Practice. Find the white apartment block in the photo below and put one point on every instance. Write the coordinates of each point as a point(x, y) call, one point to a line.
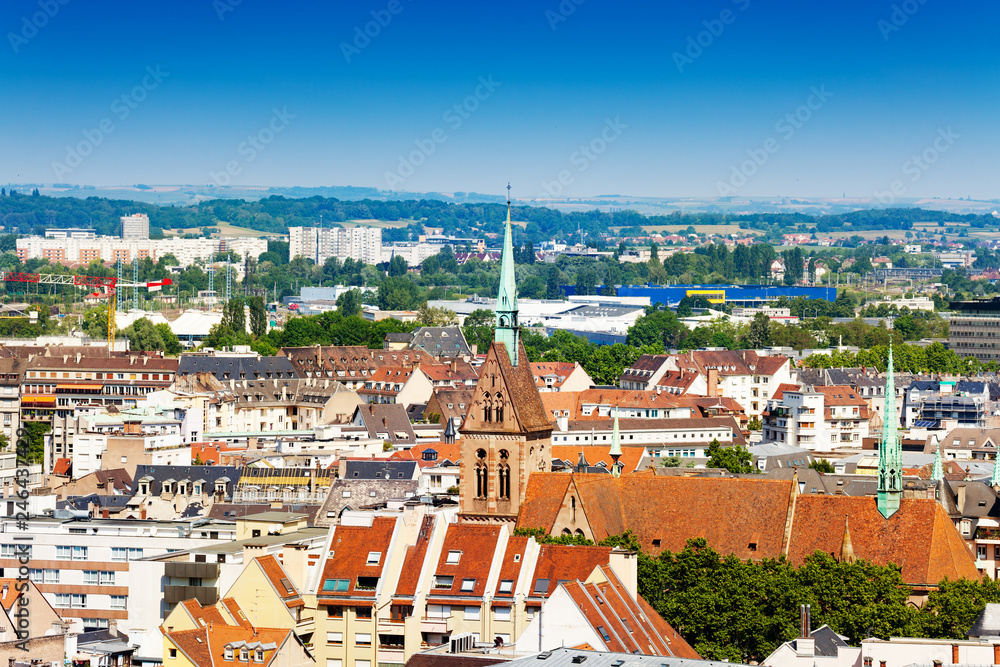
point(135, 226)
point(111, 249)
point(823, 419)
point(413, 253)
point(84, 568)
point(362, 244)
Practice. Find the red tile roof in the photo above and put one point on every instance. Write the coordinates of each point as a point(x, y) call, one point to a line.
point(413, 560)
point(477, 546)
point(561, 562)
point(283, 585)
point(510, 567)
point(62, 467)
point(205, 647)
point(350, 546)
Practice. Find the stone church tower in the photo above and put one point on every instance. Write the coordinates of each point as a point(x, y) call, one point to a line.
point(506, 435)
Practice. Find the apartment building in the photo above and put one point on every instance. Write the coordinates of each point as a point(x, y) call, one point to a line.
point(11, 377)
point(743, 375)
point(83, 567)
point(391, 585)
point(817, 418)
point(362, 244)
point(135, 226)
point(974, 328)
point(111, 248)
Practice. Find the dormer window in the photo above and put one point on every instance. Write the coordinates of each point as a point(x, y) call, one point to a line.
point(453, 557)
point(373, 557)
point(244, 655)
point(258, 655)
point(228, 653)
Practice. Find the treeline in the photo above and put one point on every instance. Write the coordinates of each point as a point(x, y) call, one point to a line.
point(28, 214)
point(935, 358)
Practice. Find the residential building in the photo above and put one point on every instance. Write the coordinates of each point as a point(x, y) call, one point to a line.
point(111, 248)
point(348, 364)
point(447, 342)
point(236, 367)
point(560, 376)
point(11, 378)
point(362, 244)
point(397, 384)
point(817, 418)
point(29, 626)
point(743, 375)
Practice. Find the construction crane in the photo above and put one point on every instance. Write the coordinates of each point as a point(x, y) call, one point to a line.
point(103, 286)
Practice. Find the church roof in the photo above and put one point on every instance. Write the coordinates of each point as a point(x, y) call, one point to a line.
point(525, 401)
point(665, 511)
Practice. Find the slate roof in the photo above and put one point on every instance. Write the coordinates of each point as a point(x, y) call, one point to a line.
point(232, 511)
point(441, 341)
point(364, 494)
point(987, 624)
point(387, 418)
point(379, 469)
point(208, 475)
point(237, 368)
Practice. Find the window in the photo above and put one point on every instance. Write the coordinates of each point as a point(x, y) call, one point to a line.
point(501, 613)
point(468, 585)
point(80, 553)
point(117, 553)
point(363, 639)
point(333, 662)
point(374, 557)
point(62, 600)
point(541, 587)
point(506, 586)
point(91, 577)
point(363, 612)
point(368, 663)
point(118, 601)
point(62, 553)
point(604, 633)
point(79, 601)
point(472, 613)
point(336, 584)
point(335, 612)
point(443, 581)
point(258, 655)
point(173, 653)
point(335, 638)
point(228, 655)
point(453, 557)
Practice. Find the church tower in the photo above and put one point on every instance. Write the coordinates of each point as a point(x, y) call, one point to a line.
point(890, 456)
point(506, 435)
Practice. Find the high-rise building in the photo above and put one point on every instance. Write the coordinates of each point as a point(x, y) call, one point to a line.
point(974, 329)
point(135, 226)
point(363, 244)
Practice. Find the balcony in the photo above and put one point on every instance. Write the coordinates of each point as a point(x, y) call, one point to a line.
point(988, 534)
point(437, 625)
point(390, 626)
point(206, 595)
point(391, 654)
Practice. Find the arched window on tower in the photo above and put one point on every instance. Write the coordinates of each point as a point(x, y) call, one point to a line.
point(503, 476)
point(499, 411)
point(482, 474)
point(487, 409)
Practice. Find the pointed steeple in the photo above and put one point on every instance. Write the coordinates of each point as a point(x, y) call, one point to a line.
point(616, 447)
point(996, 473)
point(846, 546)
point(507, 326)
point(890, 457)
point(938, 471)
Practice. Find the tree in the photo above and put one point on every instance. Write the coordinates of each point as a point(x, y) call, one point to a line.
point(396, 293)
point(143, 336)
point(670, 462)
point(95, 322)
point(552, 289)
point(822, 466)
point(734, 459)
point(759, 334)
point(397, 266)
point(478, 329)
point(349, 303)
point(659, 328)
point(436, 317)
point(171, 344)
point(35, 439)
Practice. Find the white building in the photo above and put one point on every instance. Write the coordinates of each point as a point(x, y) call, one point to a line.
point(818, 419)
point(135, 226)
point(111, 249)
point(362, 244)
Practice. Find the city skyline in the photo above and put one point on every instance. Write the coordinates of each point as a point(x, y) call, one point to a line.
point(887, 101)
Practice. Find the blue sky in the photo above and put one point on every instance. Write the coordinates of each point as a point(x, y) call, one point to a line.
point(655, 115)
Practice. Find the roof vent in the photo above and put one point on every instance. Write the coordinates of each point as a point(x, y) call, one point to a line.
point(544, 656)
point(577, 659)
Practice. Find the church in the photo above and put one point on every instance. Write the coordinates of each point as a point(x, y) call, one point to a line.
point(505, 477)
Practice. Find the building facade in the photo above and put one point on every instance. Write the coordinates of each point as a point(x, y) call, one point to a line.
point(362, 244)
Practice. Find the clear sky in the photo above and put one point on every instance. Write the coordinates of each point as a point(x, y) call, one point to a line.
point(670, 98)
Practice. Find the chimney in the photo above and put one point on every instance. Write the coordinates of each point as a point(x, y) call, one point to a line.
point(251, 551)
point(713, 382)
point(454, 365)
point(954, 654)
point(105, 513)
point(142, 514)
point(625, 564)
point(294, 559)
point(805, 645)
point(996, 654)
point(113, 627)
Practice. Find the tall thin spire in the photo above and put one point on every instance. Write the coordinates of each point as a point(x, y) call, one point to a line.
point(938, 471)
point(996, 473)
point(507, 327)
point(616, 447)
point(890, 458)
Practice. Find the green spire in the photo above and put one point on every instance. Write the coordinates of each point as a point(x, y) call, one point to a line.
point(507, 331)
point(938, 472)
point(616, 447)
point(890, 458)
point(996, 473)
